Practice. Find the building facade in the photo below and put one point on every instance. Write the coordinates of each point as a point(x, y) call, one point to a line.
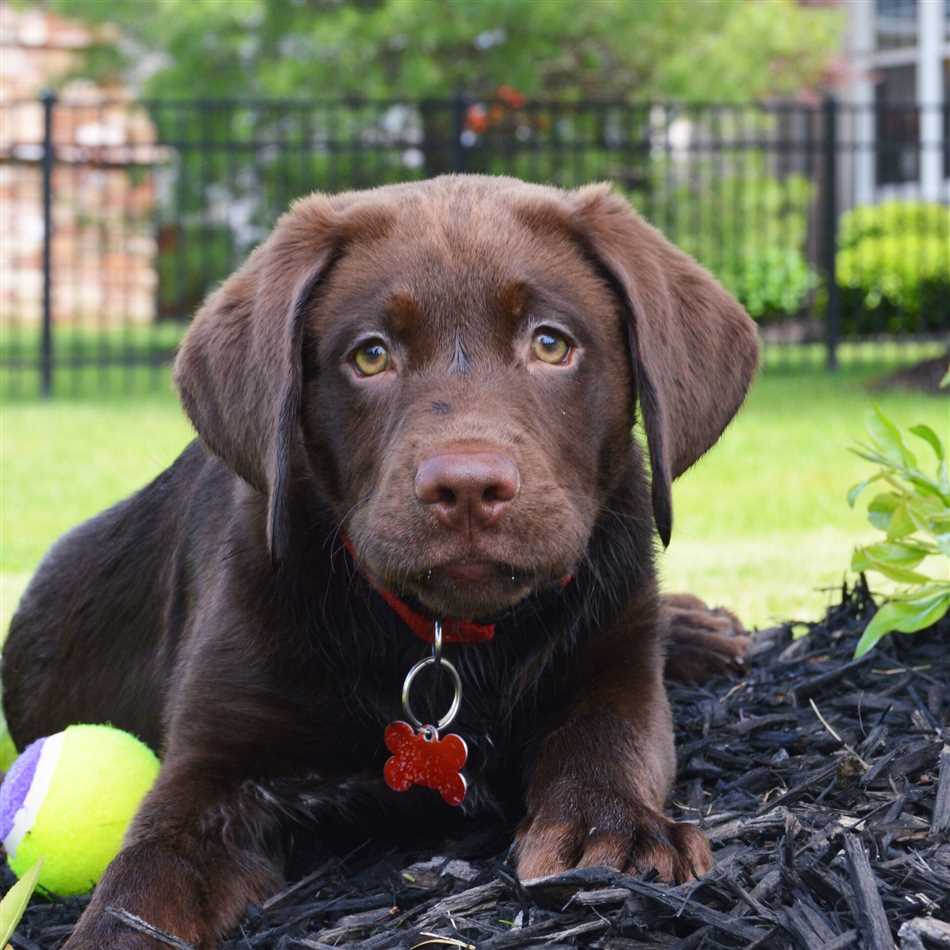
point(898, 91)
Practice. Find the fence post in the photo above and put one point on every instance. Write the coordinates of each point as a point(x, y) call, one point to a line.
point(829, 243)
point(48, 100)
point(459, 112)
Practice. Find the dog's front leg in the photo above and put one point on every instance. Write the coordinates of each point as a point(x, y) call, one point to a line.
point(599, 784)
point(208, 840)
point(200, 850)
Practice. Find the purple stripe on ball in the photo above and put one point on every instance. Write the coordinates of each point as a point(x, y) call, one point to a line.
point(16, 784)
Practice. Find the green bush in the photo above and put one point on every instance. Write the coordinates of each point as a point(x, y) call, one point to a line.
point(770, 282)
point(894, 268)
point(746, 226)
point(893, 217)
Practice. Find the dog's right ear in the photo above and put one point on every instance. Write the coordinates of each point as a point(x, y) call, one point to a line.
point(239, 370)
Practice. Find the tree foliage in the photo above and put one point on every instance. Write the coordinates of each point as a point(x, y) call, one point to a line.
point(726, 50)
point(235, 165)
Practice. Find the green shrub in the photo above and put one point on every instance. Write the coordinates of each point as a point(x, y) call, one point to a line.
point(894, 268)
point(893, 217)
point(746, 226)
point(914, 514)
point(770, 282)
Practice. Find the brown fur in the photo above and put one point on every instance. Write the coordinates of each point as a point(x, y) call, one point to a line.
point(216, 614)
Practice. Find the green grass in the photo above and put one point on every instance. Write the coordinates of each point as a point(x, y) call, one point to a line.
point(760, 524)
point(63, 461)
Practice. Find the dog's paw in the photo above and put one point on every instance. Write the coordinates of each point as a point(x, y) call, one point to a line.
point(701, 641)
point(596, 828)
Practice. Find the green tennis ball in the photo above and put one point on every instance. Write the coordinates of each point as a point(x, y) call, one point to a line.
point(68, 799)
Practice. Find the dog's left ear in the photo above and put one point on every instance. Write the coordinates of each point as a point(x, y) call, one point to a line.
point(694, 348)
point(240, 367)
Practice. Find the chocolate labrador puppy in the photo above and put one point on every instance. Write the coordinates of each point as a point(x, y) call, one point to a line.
point(414, 404)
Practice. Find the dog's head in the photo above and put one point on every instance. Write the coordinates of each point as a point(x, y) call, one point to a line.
point(454, 366)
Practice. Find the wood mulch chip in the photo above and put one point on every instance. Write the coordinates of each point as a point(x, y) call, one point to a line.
point(823, 783)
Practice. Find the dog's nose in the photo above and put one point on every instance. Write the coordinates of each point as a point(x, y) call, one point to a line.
point(468, 490)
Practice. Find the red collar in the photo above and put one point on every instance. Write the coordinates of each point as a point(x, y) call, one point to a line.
point(453, 629)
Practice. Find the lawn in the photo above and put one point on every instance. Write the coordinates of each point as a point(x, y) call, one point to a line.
point(760, 524)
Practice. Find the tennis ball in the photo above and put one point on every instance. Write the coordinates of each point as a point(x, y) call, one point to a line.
point(68, 799)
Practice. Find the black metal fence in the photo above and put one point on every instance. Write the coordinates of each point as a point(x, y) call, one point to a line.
point(830, 222)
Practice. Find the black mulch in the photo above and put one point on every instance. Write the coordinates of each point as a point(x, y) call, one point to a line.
point(823, 783)
point(924, 376)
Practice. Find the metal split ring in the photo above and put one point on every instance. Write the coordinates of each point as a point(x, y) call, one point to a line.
point(435, 660)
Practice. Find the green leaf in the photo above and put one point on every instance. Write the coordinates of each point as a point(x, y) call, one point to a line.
point(882, 623)
point(926, 486)
point(929, 519)
point(903, 616)
point(855, 490)
point(946, 380)
point(898, 553)
point(881, 509)
point(927, 606)
point(928, 505)
point(871, 455)
point(15, 902)
point(887, 438)
point(8, 752)
point(928, 435)
point(864, 559)
point(890, 512)
point(902, 524)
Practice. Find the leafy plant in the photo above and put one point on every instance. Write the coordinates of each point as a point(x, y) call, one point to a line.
point(770, 281)
point(740, 221)
point(894, 267)
point(914, 514)
point(893, 217)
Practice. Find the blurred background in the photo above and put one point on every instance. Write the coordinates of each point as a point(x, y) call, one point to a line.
point(800, 149)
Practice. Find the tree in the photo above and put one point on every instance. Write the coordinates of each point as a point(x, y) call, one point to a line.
point(721, 50)
point(689, 50)
point(632, 51)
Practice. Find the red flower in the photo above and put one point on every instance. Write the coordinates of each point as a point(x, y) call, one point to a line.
point(510, 97)
point(476, 119)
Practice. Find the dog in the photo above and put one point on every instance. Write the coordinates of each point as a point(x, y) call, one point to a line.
point(414, 405)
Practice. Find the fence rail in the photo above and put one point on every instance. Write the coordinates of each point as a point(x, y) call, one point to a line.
point(830, 221)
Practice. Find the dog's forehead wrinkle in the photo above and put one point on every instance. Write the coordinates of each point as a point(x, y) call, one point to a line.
point(461, 363)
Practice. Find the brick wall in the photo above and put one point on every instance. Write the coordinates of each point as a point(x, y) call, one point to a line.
point(103, 184)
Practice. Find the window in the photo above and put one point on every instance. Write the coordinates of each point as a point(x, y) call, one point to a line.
point(898, 125)
point(896, 23)
point(946, 108)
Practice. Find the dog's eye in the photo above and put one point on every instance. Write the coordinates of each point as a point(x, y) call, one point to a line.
point(371, 359)
point(550, 347)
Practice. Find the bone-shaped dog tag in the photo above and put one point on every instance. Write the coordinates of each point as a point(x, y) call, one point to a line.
point(422, 758)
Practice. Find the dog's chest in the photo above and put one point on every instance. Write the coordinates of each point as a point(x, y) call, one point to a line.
point(357, 778)
point(505, 692)
point(490, 789)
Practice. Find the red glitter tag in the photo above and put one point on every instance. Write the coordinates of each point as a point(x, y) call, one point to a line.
point(420, 760)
